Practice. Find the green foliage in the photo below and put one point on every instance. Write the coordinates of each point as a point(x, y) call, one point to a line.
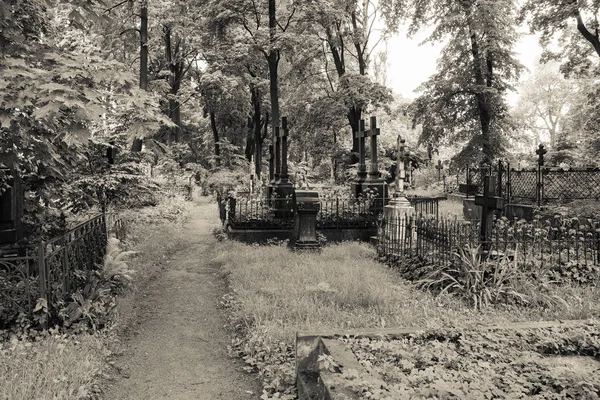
point(476, 279)
point(464, 100)
point(462, 363)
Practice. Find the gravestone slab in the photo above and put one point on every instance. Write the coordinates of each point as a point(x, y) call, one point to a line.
point(519, 211)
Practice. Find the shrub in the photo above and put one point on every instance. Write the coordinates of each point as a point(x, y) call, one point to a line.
point(473, 277)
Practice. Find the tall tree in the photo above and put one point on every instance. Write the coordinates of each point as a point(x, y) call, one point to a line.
point(347, 30)
point(544, 101)
point(464, 100)
point(574, 23)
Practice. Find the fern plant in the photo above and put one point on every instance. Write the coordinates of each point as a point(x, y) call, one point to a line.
point(116, 270)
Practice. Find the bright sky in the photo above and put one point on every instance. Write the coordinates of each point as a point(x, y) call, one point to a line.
point(410, 64)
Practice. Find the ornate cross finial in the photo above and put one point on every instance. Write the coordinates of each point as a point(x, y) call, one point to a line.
point(540, 152)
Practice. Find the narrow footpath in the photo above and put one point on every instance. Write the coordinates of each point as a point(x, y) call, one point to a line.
point(177, 347)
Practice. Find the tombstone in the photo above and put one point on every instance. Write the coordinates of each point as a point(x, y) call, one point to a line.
point(357, 184)
point(439, 168)
point(468, 189)
point(374, 181)
point(399, 208)
point(306, 207)
point(490, 203)
point(284, 189)
point(519, 211)
point(11, 210)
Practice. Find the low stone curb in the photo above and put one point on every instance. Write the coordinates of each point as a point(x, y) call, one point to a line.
point(316, 384)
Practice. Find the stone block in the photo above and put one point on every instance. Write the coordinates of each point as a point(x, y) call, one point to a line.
point(470, 210)
point(519, 211)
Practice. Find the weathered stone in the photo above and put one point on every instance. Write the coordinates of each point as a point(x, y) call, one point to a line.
point(519, 211)
point(306, 208)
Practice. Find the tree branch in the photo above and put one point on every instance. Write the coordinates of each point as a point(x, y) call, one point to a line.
point(589, 36)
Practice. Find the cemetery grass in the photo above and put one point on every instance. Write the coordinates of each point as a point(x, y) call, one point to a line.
point(275, 293)
point(73, 364)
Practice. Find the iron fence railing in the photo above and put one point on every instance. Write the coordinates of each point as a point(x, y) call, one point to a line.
point(542, 185)
point(257, 212)
point(426, 205)
point(552, 244)
point(346, 213)
point(49, 270)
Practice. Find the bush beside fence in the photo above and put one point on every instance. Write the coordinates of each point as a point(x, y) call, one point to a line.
point(562, 248)
point(34, 278)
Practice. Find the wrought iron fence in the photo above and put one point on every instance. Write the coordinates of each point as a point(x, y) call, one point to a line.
point(555, 246)
point(346, 213)
point(543, 185)
point(48, 270)
point(257, 212)
point(426, 205)
point(522, 185)
point(567, 185)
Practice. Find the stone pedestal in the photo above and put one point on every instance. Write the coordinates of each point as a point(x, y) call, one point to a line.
point(395, 218)
point(306, 206)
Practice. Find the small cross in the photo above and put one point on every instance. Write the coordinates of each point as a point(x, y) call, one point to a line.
point(374, 130)
point(541, 152)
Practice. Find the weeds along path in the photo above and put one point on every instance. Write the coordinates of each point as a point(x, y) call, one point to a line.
point(176, 347)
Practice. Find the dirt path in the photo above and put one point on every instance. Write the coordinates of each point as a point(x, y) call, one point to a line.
point(178, 350)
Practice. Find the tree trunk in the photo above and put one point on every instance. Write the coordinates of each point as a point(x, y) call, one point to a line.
point(213, 125)
point(483, 81)
point(257, 136)
point(249, 145)
point(273, 61)
point(137, 142)
point(176, 69)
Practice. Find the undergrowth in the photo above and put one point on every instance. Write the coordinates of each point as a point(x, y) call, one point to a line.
point(68, 361)
point(276, 293)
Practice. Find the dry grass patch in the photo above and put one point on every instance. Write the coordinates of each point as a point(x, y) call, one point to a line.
point(341, 288)
point(52, 367)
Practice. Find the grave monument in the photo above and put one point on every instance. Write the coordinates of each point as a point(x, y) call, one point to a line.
point(371, 181)
point(399, 207)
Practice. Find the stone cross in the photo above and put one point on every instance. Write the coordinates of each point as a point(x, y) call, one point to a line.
point(400, 173)
point(439, 168)
point(541, 152)
point(373, 133)
point(284, 137)
point(489, 204)
point(360, 135)
point(271, 163)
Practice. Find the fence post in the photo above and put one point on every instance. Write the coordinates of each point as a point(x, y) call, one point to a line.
point(500, 173)
point(43, 274)
point(540, 179)
point(508, 188)
point(468, 181)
